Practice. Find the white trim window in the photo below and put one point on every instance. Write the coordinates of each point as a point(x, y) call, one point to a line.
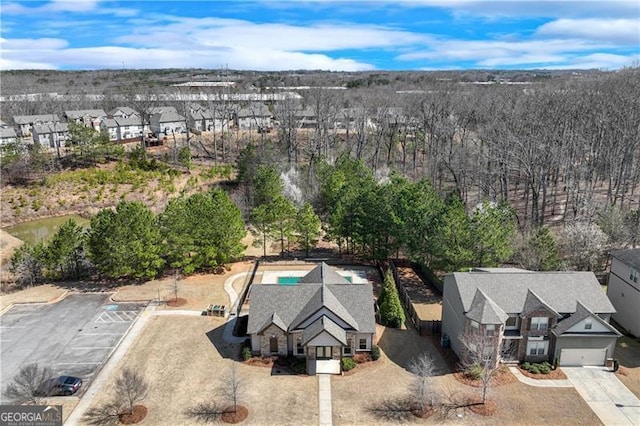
point(588, 324)
point(474, 326)
point(347, 350)
point(539, 323)
point(362, 344)
point(299, 348)
point(537, 347)
point(633, 275)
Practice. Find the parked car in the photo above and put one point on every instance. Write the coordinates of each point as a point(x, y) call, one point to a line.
point(63, 385)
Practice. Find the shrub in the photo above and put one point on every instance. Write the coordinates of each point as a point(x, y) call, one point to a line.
point(474, 372)
point(375, 352)
point(534, 369)
point(299, 366)
point(348, 364)
point(544, 369)
point(526, 366)
point(246, 353)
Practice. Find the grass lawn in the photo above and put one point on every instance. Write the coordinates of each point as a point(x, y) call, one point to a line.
point(184, 358)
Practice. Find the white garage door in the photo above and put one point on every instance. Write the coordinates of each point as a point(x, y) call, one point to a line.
point(569, 357)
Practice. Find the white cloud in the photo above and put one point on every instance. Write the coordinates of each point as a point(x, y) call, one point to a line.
point(116, 57)
point(604, 61)
point(624, 31)
point(239, 34)
point(67, 6)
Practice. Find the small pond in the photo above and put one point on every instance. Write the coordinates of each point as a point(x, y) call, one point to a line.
point(42, 229)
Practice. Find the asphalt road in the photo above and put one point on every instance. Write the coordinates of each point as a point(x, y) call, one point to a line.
point(74, 336)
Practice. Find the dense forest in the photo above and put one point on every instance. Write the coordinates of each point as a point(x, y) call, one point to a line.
point(451, 170)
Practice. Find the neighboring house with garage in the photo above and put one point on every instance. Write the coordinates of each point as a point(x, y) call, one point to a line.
point(533, 316)
point(322, 318)
point(623, 289)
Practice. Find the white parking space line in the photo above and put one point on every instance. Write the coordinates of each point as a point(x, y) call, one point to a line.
point(116, 316)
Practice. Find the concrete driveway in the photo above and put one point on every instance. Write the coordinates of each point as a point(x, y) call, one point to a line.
point(612, 402)
point(74, 336)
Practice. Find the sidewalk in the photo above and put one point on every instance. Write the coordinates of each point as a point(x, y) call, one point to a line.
point(542, 383)
point(324, 395)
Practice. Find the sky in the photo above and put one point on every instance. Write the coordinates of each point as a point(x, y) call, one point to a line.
point(270, 35)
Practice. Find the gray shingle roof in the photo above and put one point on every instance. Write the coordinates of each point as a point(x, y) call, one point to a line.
point(129, 121)
point(161, 109)
point(74, 114)
point(485, 311)
point(293, 304)
point(581, 313)
point(7, 132)
point(559, 290)
point(325, 274)
point(533, 302)
point(628, 257)
point(50, 128)
point(124, 110)
point(110, 122)
point(170, 117)
point(26, 119)
point(324, 324)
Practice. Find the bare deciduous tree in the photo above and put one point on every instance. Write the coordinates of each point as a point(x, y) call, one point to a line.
point(421, 388)
point(481, 356)
point(106, 414)
point(232, 386)
point(131, 387)
point(29, 385)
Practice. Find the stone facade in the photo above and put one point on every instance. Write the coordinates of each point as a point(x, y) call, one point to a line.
point(265, 341)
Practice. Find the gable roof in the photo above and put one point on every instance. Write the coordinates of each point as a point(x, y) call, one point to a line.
point(50, 128)
point(7, 132)
point(294, 304)
point(125, 110)
point(581, 313)
point(26, 119)
point(79, 113)
point(169, 117)
point(629, 257)
point(324, 274)
point(559, 290)
point(485, 311)
point(134, 120)
point(324, 324)
point(161, 109)
point(532, 302)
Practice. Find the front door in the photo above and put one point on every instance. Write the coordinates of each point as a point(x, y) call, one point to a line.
point(323, 352)
point(273, 345)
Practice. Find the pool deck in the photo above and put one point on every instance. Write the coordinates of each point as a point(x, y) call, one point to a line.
point(273, 277)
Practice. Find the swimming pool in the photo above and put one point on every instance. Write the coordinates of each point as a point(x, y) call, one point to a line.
point(295, 280)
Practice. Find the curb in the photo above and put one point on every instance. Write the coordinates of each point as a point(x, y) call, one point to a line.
point(55, 300)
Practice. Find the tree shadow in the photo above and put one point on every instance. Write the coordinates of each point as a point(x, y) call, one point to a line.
point(401, 346)
point(399, 409)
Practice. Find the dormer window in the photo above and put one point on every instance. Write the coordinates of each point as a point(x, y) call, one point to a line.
point(633, 275)
point(539, 323)
point(588, 323)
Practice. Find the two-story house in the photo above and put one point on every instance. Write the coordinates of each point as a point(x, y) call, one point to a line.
point(558, 317)
point(256, 116)
point(87, 117)
point(167, 123)
point(623, 289)
point(25, 123)
point(52, 135)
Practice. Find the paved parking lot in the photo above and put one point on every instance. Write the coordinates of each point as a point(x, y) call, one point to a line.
point(74, 336)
